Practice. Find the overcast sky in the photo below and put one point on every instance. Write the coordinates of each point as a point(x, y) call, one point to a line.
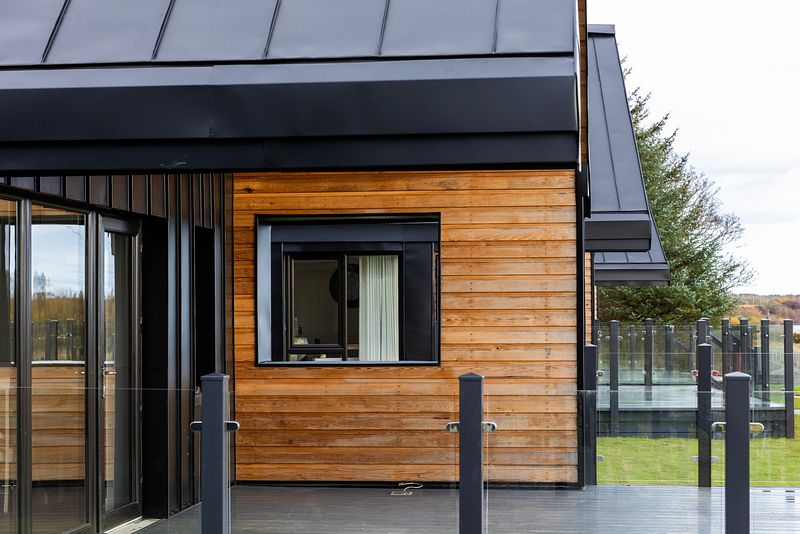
point(728, 73)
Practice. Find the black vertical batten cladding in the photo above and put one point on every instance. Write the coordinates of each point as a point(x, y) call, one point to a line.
point(737, 453)
point(704, 415)
point(788, 373)
point(470, 459)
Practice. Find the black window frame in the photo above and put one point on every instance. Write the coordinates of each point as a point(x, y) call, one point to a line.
point(414, 238)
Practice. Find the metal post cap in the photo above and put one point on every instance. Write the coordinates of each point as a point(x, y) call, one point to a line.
point(737, 375)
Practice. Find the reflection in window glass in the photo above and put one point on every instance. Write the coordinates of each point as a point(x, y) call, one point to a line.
point(8, 371)
point(315, 305)
point(58, 269)
point(58, 308)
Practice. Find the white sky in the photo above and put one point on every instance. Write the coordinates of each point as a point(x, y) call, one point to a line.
point(728, 72)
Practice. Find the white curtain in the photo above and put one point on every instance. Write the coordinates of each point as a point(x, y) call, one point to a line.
point(378, 299)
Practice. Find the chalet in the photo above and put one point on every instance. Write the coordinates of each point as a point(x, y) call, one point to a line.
point(344, 205)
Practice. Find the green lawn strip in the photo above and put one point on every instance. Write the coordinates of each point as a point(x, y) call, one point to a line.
point(668, 461)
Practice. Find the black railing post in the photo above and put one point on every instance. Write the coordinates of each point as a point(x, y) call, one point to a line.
point(788, 375)
point(632, 351)
point(702, 331)
point(648, 357)
point(613, 394)
point(744, 345)
point(51, 340)
point(704, 415)
point(214, 454)
point(70, 339)
point(726, 346)
point(764, 348)
point(589, 415)
point(470, 441)
point(737, 453)
point(669, 347)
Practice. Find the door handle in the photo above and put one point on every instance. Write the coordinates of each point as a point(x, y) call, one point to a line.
point(104, 374)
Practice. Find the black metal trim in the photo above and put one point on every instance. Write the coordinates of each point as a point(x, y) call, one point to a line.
point(415, 97)
point(279, 253)
point(24, 345)
point(451, 151)
point(131, 229)
point(580, 309)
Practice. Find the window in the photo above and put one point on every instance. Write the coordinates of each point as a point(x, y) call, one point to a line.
point(333, 290)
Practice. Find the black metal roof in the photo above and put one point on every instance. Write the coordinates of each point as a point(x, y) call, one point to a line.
point(81, 32)
point(620, 217)
point(254, 84)
point(626, 253)
point(633, 268)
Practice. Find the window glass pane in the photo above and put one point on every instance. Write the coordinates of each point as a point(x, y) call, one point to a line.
point(8, 370)
point(378, 308)
point(315, 294)
point(58, 304)
point(58, 374)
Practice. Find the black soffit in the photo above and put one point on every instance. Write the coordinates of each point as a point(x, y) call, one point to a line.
point(633, 268)
point(620, 215)
point(212, 84)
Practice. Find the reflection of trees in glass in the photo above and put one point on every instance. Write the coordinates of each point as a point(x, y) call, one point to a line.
point(39, 283)
point(58, 321)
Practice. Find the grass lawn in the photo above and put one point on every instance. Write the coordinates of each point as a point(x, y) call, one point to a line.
point(668, 461)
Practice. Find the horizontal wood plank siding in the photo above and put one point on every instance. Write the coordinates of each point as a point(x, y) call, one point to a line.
point(508, 304)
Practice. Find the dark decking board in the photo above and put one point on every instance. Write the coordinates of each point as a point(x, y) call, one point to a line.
point(606, 509)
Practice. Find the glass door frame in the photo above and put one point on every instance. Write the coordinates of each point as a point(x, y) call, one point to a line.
point(24, 357)
point(131, 229)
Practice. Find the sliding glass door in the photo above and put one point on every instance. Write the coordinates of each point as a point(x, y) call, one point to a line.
point(69, 370)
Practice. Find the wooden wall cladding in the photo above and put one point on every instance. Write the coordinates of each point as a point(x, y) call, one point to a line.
point(509, 297)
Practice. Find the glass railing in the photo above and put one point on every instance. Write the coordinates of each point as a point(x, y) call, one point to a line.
point(336, 457)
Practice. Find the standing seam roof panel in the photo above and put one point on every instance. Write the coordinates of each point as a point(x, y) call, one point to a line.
point(326, 29)
point(97, 32)
point(108, 31)
point(439, 27)
point(208, 30)
point(535, 26)
point(25, 27)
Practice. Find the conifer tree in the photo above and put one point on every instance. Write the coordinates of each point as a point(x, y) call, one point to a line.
point(696, 233)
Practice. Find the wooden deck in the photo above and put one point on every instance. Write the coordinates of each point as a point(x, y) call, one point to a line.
point(606, 509)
